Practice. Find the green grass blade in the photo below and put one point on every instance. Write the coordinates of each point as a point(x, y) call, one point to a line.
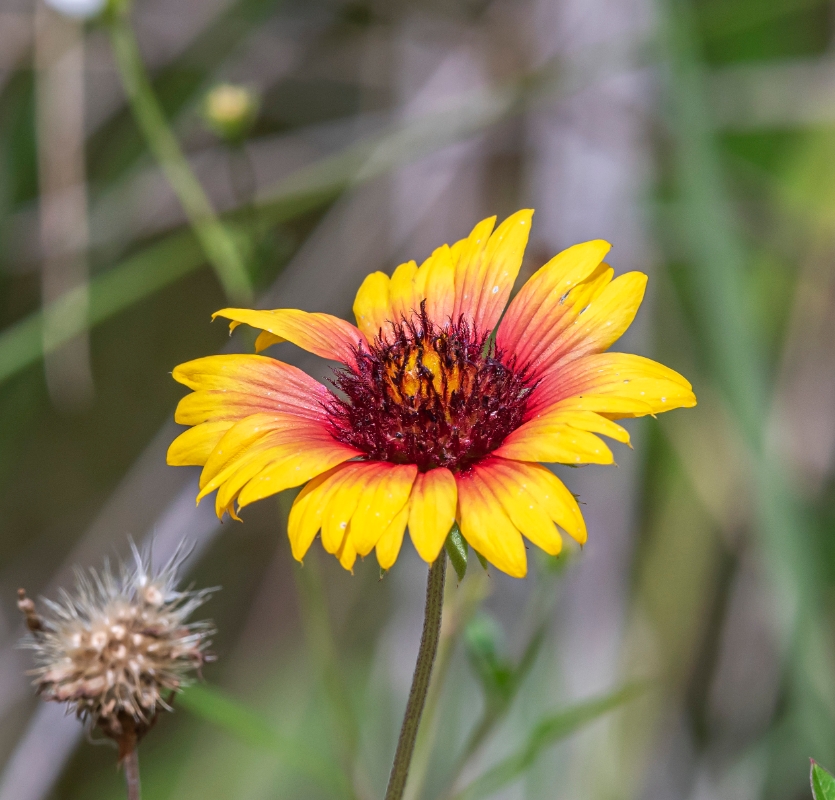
point(731, 344)
point(215, 239)
point(248, 726)
point(547, 732)
point(137, 277)
point(726, 331)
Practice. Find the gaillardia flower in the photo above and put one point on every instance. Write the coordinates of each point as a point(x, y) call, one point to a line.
point(432, 418)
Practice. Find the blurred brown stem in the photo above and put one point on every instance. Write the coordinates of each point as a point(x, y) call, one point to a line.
point(420, 682)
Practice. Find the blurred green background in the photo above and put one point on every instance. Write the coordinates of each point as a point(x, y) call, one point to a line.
point(697, 137)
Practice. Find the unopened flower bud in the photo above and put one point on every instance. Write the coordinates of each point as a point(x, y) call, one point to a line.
point(231, 110)
point(119, 647)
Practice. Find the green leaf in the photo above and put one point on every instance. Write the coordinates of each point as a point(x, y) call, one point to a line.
point(481, 560)
point(548, 731)
point(250, 727)
point(483, 642)
point(456, 548)
point(823, 784)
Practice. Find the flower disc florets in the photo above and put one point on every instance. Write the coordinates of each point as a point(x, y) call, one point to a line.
point(118, 648)
point(430, 396)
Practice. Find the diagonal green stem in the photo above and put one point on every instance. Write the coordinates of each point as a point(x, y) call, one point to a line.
point(420, 681)
point(214, 238)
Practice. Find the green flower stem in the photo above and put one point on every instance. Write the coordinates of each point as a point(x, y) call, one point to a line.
point(214, 238)
point(420, 682)
point(130, 764)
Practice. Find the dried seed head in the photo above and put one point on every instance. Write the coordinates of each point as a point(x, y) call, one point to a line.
point(118, 648)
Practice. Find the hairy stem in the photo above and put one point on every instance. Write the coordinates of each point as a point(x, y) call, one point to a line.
point(214, 238)
point(420, 681)
point(130, 763)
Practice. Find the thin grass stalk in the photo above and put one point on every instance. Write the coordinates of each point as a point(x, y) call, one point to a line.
point(214, 238)
point(727, 334)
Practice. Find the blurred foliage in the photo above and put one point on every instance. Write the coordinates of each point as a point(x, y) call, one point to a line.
point(744, 223)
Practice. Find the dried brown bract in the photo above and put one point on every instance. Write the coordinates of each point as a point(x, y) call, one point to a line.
point(118, 648)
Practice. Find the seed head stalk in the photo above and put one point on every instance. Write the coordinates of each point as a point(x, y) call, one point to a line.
point(420, 681)
point(130, 764)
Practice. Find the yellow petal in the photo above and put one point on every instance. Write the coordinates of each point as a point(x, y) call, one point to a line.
point(549, 491)
point(522, 508)
point(372, 307)
point(265, 453)
point(536, 311)
point(584, 421)
point(550, 327)
point(389, 544)
point(610, 406)
point(436, 283)
point(246, 440)
point(468, 256)
point(235, 386)
point(237, 444)
point(387, 494)
point(554, 443)
point(605, 319)
point(325, 335)
point(614, 384)
point(342, 502)
point(487, 527)
point(432, 511)
point(194, 446)
point(266, 339)
point(306, 514)
point(347, 554)
point(402, 295)
point(499, 268)
point(294, 469)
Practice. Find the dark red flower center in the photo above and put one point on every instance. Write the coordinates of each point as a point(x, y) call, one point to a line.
point(429, 396)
